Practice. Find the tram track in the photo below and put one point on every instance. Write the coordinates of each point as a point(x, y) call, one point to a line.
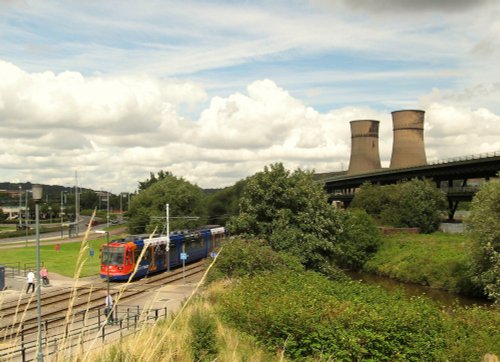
point(22, 314)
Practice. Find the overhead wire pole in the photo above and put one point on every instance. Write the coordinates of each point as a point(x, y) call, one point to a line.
point(19, 212)
point(167, 228)
point(77, 203)
point(168, 235)
point(107, 209)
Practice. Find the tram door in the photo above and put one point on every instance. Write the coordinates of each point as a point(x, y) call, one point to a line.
point(128, 259)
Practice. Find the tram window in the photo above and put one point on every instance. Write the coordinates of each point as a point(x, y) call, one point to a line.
point(172, 248)
point(112, 256)
point(137, 253)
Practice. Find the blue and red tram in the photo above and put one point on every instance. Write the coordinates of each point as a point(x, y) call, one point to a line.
point(119, 258)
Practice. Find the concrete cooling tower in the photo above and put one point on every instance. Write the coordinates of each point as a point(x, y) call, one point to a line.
point(364, 147)
point(408, 148)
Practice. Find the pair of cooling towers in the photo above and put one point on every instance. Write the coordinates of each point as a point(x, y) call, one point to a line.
point(408, 149)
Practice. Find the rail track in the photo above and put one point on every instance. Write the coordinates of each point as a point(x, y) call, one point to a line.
point(22, 314)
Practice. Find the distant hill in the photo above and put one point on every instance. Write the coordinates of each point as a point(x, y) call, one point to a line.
point(50, 192)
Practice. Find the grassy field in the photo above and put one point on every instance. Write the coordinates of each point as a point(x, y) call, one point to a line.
point(438, 260)
point(7, 228)
point(62, 261)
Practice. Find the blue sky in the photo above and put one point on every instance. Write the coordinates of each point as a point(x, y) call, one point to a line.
point(117, 89)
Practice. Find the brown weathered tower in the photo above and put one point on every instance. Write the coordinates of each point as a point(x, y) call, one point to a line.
point(408, 147)
point(364, 147)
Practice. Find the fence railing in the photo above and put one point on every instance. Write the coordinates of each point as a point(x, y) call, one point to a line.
point(466, 158)
point(84, 327)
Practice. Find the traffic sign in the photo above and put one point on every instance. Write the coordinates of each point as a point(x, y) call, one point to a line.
point(184, 256)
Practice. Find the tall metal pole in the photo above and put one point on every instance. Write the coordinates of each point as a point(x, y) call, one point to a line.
point(37, 195)
point(77, 204)
point(168, 219)
point(107, 209)
point(38, 289)
point(19, 212)
point(109, 259)
point(27, 215)
point(168, 236)
point(61, 212)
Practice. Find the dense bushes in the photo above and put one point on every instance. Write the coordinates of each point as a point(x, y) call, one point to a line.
point(415, 203)
point(484, 228)
point(311, 317)
point(245, 258)
point(359, 239)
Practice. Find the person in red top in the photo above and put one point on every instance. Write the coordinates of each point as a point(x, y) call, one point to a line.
point(45, 276)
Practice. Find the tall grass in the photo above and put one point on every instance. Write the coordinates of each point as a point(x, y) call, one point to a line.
point(178, 336)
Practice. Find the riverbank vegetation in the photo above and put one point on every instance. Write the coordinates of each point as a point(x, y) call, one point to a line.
point(311, 317)
point(484, 229)
point(438, 260)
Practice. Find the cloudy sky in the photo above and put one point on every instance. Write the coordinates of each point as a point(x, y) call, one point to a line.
point(215, 90)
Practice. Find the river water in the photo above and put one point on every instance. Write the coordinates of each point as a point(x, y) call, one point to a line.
point(441, 296)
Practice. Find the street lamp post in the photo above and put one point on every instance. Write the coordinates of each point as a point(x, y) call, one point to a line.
point(26, 215)
point(37, 196)
point(62, 213)
point(107, 209)
point(19, 212)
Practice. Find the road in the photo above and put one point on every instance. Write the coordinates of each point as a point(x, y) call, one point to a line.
point(55, 236)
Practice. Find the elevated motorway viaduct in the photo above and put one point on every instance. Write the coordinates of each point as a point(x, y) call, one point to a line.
point(456, 177)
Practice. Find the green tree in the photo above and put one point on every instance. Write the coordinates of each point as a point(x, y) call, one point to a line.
point(89, 199)
point(2, 215)
point(483, 226)
point(415, 203)
point(224, 203)
point(147, 209)
point(374, 199)
point(143, 185)
point(359, 240)
point(291, 211)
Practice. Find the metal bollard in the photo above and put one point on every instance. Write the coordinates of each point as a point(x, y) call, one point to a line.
point(23, 350)
point(46, 324)
point(128, 317)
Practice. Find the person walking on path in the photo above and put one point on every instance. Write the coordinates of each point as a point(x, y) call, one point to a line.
point(30, 279)
point(108, 310)
point(45, 276)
